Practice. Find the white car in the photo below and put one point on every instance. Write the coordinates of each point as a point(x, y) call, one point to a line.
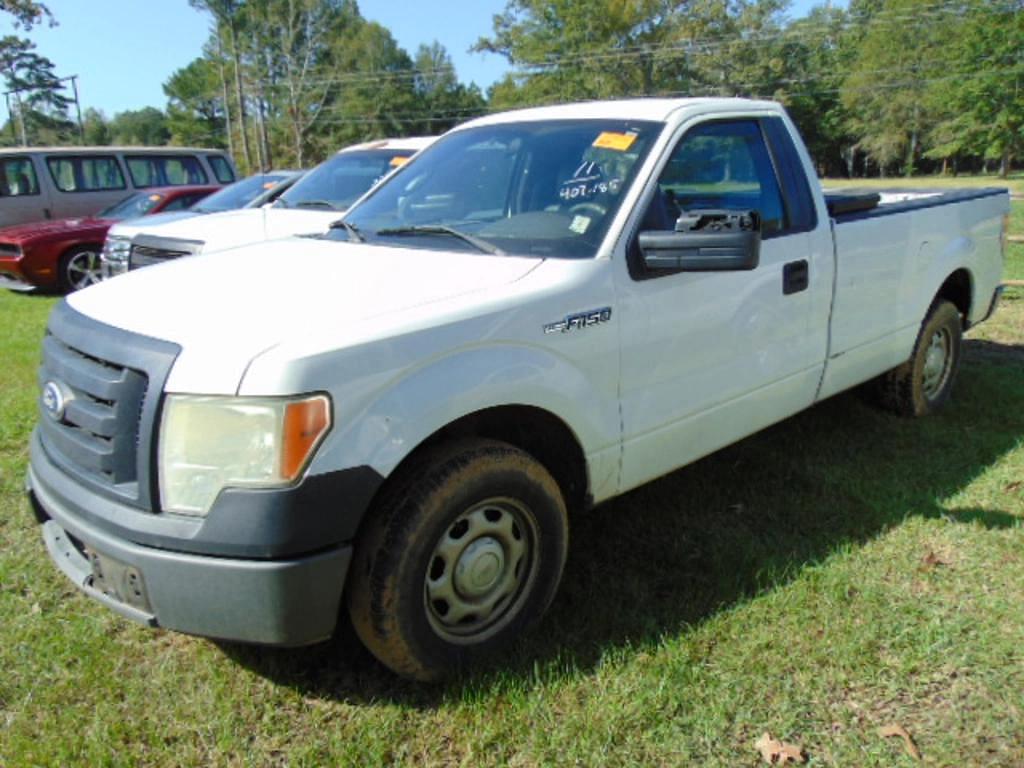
point(541, 311)
point(307, 207)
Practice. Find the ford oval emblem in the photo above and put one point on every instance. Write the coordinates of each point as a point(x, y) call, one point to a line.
point(54, 400)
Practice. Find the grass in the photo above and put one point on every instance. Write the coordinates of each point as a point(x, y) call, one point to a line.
point(841, 571)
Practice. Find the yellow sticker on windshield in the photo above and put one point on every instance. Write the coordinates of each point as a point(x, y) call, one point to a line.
point(398, 161)
point(269, 184)
point(155, 198)
point(617, 141)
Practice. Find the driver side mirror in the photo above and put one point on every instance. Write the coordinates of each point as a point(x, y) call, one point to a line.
point(705, 241)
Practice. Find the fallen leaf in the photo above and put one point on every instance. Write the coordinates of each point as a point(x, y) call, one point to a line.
point(1015, 485)
point(932, 560)
point(895, 729)
point(777, 752)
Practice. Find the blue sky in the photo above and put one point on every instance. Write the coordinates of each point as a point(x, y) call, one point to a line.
point(123, 50)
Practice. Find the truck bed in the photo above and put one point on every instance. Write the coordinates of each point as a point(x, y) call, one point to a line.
point(845, 205)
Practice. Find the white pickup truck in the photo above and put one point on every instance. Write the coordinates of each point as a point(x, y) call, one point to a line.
point(307, 207)
point(544, 309)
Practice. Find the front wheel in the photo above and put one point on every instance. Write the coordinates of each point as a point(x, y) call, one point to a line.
point(923, 384)
point(464, 553)
point(79, 268)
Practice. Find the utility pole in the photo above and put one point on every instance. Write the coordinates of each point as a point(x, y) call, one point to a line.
point(78, 108)
point(21, 109)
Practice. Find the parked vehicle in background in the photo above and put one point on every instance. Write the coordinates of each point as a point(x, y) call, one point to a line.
point(307, 207)
point(65, 254)
point(543, 310)
point(252, 192)
point(38, 183)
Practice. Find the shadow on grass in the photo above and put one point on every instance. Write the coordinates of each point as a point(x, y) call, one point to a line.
point(749, 518)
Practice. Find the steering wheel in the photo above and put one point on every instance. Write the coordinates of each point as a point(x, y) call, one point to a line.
point(595, 208)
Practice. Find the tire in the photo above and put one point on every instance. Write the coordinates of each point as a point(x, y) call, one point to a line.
point(79, 268)
point(463, 553)
point(923, 384)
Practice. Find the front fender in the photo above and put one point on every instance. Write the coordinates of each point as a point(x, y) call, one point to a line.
point(411, 408)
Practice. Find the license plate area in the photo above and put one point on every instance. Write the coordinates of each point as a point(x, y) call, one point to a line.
point(117, 580)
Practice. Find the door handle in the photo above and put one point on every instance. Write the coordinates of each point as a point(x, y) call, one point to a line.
point(795, 277)
point(46, 213)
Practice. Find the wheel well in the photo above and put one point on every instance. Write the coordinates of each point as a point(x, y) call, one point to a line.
point(534, 430)
point(957, 289)
point(81, 246)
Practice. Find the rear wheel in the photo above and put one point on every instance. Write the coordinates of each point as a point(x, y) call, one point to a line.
point(79, 268)
point(923, 384)
point(464, 553)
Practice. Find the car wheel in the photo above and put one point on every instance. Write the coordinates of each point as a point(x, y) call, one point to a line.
point(923, 384)
point(463, 553)
point(79, 268)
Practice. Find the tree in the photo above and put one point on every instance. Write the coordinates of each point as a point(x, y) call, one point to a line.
point(985, 104)
point(35, 85)
point(95, 128)
point(195, 106)
point(903, 51)
point(143, 127)
point(443, 100)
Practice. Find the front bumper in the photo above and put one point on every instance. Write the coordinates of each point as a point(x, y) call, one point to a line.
point(287, 602)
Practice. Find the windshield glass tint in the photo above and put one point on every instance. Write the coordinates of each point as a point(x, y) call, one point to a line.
point(238, 194)
point(534, 189)
point(343, 179)
point(132, 206)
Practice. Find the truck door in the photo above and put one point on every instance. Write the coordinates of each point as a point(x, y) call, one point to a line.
point(709, 357)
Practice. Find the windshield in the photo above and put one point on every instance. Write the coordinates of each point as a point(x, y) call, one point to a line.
point(340, 181)
point(132, 206)
point(238, 194)
point(546, 188)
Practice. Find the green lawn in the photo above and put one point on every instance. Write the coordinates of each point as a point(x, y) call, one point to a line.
point(841, 571)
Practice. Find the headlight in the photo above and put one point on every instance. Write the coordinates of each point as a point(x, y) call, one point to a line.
point(211, 443)
point(114, 258)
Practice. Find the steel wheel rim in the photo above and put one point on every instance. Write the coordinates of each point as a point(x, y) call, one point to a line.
point(480, 570)
point(937, 363)
point(84, 269)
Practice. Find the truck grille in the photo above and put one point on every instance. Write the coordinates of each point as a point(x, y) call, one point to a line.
point(100, 390)
point(147, 250)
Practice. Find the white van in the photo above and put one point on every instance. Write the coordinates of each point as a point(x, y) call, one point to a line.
point(59, 182)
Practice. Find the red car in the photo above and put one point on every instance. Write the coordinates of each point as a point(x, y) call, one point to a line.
point(65, 254)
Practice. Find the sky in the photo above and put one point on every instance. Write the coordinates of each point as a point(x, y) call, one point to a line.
point(124, 50)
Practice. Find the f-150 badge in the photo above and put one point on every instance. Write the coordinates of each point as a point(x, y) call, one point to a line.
point(580, 320)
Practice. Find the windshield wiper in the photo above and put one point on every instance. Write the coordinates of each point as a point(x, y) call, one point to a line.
point(351, 229)
point(316, 204)
point(441, 229)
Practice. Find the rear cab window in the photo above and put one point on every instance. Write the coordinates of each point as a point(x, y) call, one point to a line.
point(222, 169)
point(18, 177)
point(165, 170)
point(85, 173)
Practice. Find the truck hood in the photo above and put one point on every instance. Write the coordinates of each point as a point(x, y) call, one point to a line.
point(224, 309)
point(230, 229)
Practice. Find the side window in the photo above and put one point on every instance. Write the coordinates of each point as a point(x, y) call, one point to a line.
point(18, 177)
point(221, 169)
point(72, 173)
point(160, 170)
point(722, 165)
point(181, 203)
